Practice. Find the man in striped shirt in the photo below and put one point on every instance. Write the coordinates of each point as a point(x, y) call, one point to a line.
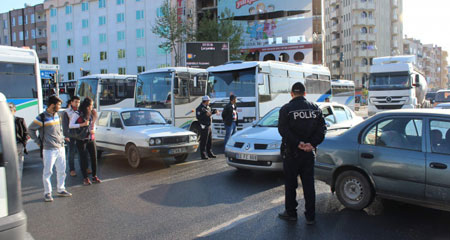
point(51, 138)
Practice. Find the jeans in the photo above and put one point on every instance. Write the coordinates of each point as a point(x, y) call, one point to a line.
point(85, 147)
point(54, 157)
point(302, 165)
point(229, 131)
point(70, 152)
point(20, 154)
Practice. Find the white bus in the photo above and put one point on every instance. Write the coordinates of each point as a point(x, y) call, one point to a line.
point(20, 82)
point(107, 90)
point(155, 88)
point(261, 86)
point(343, 92)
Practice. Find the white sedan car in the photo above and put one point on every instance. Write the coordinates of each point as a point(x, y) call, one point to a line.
point(258, 147)
point(142, 133)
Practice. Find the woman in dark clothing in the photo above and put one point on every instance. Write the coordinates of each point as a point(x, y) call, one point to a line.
point(85, 118)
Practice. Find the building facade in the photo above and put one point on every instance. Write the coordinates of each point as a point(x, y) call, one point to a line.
point(104, 36)
point(28, 28)
point(4, 29)
point(358, 31)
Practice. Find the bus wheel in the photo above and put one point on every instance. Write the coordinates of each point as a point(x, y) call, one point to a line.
point(134, 158)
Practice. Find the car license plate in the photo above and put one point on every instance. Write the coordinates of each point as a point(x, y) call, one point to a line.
point(249, 157)
point(177, 150)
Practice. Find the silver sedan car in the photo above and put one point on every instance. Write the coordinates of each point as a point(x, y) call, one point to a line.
point(402, 155)
point(258, 147)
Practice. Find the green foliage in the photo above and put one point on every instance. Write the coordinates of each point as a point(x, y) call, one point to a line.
point(222, 30)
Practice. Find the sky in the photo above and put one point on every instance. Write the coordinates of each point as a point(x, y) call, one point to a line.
point(426, 20)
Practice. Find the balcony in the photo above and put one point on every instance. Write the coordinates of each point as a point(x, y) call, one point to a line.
point(365, 53)
point(336, 28)
point(335, 57)
point(333, 14)
point(368, 5)
point(369, 37)
point(362, 69)
point(395, 4)
point(333, 2)
point(363, 21)
point(395, 17)
point(336, 42)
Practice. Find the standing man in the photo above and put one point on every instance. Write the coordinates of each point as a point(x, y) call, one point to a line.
point(51, 138)
point(204, 117)
point(74, 103)
point(230, 118)
point(302, 127)
point(21, 137)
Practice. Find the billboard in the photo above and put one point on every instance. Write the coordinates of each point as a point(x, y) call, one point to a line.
point(274, 29)
point(206, 54)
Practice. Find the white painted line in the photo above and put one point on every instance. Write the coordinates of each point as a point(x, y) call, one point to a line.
point(228, 225)
point(188, 163)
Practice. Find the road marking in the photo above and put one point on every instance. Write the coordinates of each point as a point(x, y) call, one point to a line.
point(228, 225)
point(188, 163)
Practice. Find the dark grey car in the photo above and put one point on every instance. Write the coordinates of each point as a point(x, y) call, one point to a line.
point(402, 155)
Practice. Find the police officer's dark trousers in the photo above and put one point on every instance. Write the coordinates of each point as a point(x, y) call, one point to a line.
point(302, 164)
point(205, 141)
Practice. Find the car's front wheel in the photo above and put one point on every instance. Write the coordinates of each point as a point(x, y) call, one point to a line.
point(134, 158)
point(353, 190)
point(181, 158)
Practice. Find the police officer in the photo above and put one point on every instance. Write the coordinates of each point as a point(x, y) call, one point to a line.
point(204, 116)
point(302, 127)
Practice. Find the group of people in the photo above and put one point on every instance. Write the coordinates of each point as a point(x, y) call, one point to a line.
point(51, 131)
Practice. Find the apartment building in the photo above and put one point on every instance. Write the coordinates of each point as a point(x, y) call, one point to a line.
point(435, 66)
point(4, 29)
point(413, 46)
point(358, 31)
point(28, 29)
point(104, 36)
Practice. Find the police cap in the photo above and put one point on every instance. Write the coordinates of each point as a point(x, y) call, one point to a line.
point(298, 87)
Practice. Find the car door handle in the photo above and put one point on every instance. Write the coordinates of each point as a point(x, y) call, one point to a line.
point(108, 129)
point(367, 155)
point(438, 165)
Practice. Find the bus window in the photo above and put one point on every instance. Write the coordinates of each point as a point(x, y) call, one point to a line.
point(15, 74)
point(88, 88)
point(113, 91)
point(264, 90)
point(197, 89)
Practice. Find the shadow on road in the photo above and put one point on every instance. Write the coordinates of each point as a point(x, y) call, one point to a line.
point(222, 188)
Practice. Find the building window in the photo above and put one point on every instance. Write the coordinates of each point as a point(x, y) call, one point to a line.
point(14, 37)
point(70, 76)
point(120, 35)
point(120, 17)
point(103, 71)
point(140, 69)
point(159, 12)
point(32, 18)
point(84, 6)
point(101, 20)
point(101, 3)
point(364, 15)
point(53, 28)
point(140, 52)
point(53, 12)
point(103, 56)
point(139, 33)
point(85, 23)
point(69, 42)
point(85, 40)
point(139, 14)
point(364, 62)
point(26, 35)
point(20, 20)
point(68, 9)
point(54, 60)
point(20, 35)
point(102, 37)
point(54, 45)
point(86, 57)
point(68, 26)
point(13, 23)
point(363, 30)
point(69, 59)
point(119, 2)
point(122, 71)
point(121, 53)
point(26, 19)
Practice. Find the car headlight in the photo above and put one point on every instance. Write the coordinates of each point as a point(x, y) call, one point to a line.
point(151, 141)
point(158, 141)
point(230, 142)
point(192, 138)
point(275, 145)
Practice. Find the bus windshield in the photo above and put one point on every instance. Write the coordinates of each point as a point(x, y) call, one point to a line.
point(153, 90)
point(88, 88)
point(239, 82)
point(15, 75)
point(389, 81)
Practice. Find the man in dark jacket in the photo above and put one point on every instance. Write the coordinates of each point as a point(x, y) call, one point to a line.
point(302, 128)
point(21, 137)
point(230, 118)
point(204, 116)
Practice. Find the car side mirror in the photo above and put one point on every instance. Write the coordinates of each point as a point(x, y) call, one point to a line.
point(254, 123)
point(169, 121)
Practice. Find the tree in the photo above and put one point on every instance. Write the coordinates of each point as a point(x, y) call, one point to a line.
point(222, 30)
point(175, 32)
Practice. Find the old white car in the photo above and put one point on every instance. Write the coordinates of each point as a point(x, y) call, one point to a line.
point(142, 133)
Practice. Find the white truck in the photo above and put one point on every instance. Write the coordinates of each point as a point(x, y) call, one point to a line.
point(395, 83)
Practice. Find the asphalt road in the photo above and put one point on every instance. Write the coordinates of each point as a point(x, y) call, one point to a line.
point(206, 199)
